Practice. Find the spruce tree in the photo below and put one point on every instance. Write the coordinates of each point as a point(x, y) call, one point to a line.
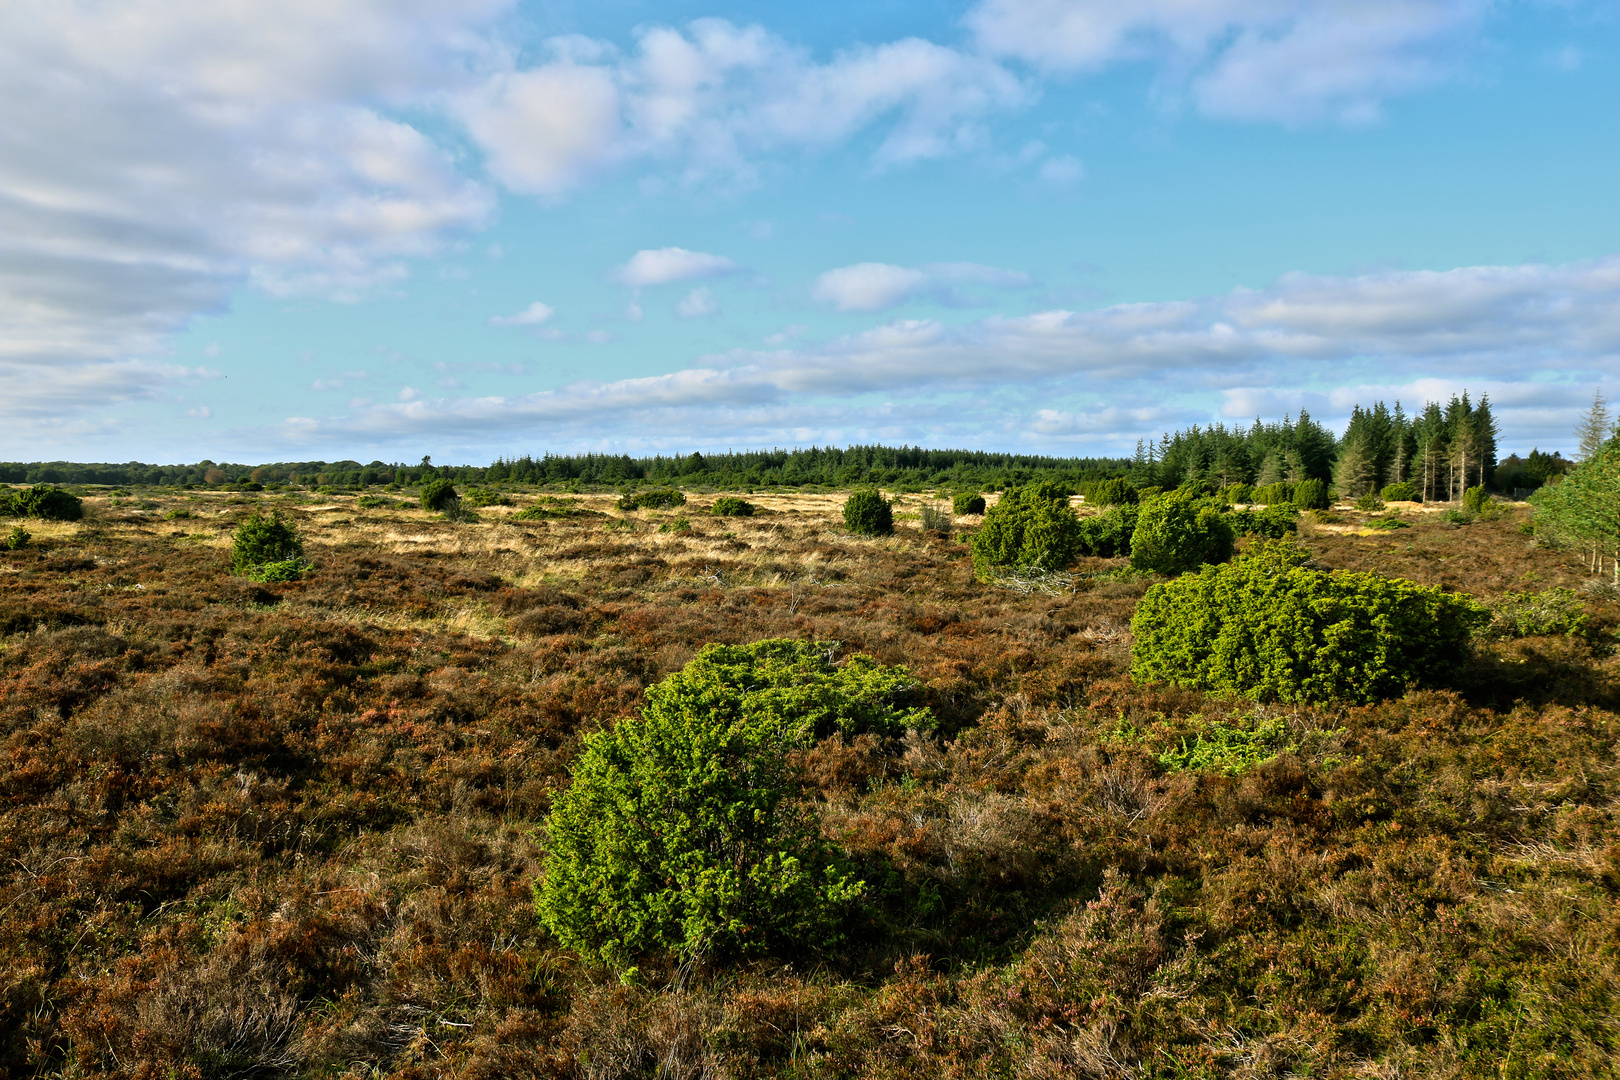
point(1595, 428)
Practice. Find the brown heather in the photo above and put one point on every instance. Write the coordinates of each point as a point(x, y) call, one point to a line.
point(291, 829)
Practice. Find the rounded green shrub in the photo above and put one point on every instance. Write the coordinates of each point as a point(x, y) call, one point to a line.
point(653, 499)
point(868, 513)
point(1108, 534)
point(1272, 522)
point(1111, 492)
point(1401, 492)
point(1030, 526)
point(18, 539)
point(967, 502)
point(1238, 493)
point(1474, 499)
point(1370, 503)
point(486, 497)
point(439, 495)
point(1310, 495)
point(1268, 494)
point(267, 549)
point(681, 834)
point(1177, 532)
point(42, 501)
point(731, 506)
point(1267, 627)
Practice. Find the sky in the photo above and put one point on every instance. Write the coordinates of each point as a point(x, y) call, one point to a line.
point(378, 229)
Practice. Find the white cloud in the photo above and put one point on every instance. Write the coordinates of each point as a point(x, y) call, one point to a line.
point(1287, 60)
point(660, 266)
point(533, 315)
point(880, 286)
point(697, 304)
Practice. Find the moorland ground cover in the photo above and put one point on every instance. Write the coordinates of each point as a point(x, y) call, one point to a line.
point(292, 828)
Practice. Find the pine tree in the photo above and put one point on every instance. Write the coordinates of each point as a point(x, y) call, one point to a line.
point(1595, 429)
point(1484, 432)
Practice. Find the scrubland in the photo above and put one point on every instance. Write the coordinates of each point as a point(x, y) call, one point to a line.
point(292, 829)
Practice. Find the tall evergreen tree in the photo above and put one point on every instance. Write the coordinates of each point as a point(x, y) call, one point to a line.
point(1594, 429)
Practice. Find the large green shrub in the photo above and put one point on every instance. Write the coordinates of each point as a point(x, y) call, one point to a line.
point(1111, 492)
point(1176, 532)
point(439, 495)
point(1401, 492)
point(42, 501)
point(1272, 493)
point(1310, 495)
point(653, 499)
point(731, 506)
point(1475, 499)
point(1272, 522)
point(967, 502)
point(1238, 493)
point(868, 513)
point(680, 832)
point(1030, 526)
point(267, 549)
point(1268, 628)
point(1108, 534)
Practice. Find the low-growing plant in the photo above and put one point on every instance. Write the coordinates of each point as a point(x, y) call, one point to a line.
point(1369, 503)
point(486, 497)
point(1269, 628)
point(652, 499)
point(1176, 532)
point(680, 834)
point(18, 539)
point(1229, 749)
point(1527, 614)
point(262, 541)
point(438, 495)
point(177, 514)
point(967, 502)
point(1030, 526)
point(933, 519)
point(868, 513)
point(374, 502)
point(1454, 516)
point(1401, 492)
point(680, 524)
point(1388, 521)
point(731, 506)
point(42, 501)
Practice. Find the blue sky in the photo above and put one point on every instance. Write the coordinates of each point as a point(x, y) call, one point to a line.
point(355, 228)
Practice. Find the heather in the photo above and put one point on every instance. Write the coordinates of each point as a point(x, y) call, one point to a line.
point(293, 828)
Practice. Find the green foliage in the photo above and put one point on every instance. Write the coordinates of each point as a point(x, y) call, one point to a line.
point(1527, 614)
point(1273, 493)
point(1369, 503)
point(1111, 492)
point(1310, 495)
point(1268, 628)
point(260, 542)
point(868, 513)
point(680, 833)
point(1475, 499)
point(731, 506)
point(680, 524)
point(967, 502)
point(1238, 493)
point(1583, 509)
point(1401, 492)
point(18, 539)
point(1108, 535)
point(653, 499)
point(42, 501)
point(1391, 520)
point(1227, 749)
point(376, 502)
point(438, 495)
point(1030, 526)
point(1176, 532)
point(1272, 522)
point(934, 519)
point(486, 497)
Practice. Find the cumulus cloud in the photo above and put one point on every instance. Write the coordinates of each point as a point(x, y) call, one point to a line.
point(1287, 60)
point(697, 304)
point(880, 286)
point(533, 315)
point(660, 266)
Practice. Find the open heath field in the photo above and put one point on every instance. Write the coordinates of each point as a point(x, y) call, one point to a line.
point(294, 829)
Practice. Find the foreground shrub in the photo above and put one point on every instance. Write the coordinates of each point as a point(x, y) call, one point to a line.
point(1108, 534)
point(1030, 526)
point(18, 539)
point(868, 513)
point(1475, 500)
point(1401, 492)
point(1268, 628)
point(267, 549)
point(42, 501)
point(730, 506)
point(439, 495)
point(967, 502)
point(1176, 532)
point(680, 833)
point(1310, 495)
point(652, 499)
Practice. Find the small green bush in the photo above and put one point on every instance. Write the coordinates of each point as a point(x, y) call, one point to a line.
point(934, 519)
point(438, 495)
point(1272, 522)
point(731, 506)
point(374, 502)
point(18, 539)
point(1114, 492)
point(1238, 493)
point(1369, 503)
point(868, 513)
point(681, 524)
point(1176, 532)
point(652, 499)
point(1108, 535)
point(1310, 495)
point(261, 542)
point(680, 832)
point(1228, 749)
point(1390, 521)
point(43, 502)
point(1273, 493)
point(1268, 628)
point(1526, 614)
point(1475, 500)
point(967, 502)
point(1030, 526)
point(1401, 492)
point(486, 497)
